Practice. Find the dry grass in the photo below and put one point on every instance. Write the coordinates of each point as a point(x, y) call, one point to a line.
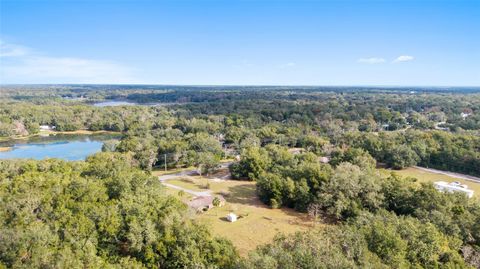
point(425, 176)
point(257, 223)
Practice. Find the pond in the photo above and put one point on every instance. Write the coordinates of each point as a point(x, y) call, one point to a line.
point(67, 147)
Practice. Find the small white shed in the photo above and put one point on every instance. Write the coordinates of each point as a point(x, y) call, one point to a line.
point(232, 217)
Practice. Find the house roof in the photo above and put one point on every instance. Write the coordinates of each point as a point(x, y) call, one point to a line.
point(204, 201)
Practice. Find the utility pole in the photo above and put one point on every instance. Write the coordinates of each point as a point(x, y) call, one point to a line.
point(165, 157)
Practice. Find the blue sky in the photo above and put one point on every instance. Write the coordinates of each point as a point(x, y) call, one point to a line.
point(241, 42)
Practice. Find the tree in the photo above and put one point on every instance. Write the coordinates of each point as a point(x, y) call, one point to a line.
point(206, 162)
point(216, 202)
point(401, 156)
point(349, 191)
point(253, 162)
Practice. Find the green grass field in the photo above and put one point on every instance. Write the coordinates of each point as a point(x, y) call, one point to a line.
point(425, 176)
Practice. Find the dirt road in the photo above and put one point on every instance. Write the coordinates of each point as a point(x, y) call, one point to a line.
point(186, 174)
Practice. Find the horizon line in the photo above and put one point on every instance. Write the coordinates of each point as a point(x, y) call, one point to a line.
point(245, 85)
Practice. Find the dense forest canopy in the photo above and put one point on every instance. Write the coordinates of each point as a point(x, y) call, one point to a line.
point(102, 213)
point(313, 149)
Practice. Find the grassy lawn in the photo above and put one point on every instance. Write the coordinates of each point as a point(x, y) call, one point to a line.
point(424, 176)
point(191, 183)
point(257, 223)
point(185, 196)
point(159, 171)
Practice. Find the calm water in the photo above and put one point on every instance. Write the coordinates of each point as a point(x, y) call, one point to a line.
point(128, 103)
point(67, 147)
point(114, 103)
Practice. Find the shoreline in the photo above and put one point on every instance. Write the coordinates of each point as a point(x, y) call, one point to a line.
point(5, 149)
point(53, 133)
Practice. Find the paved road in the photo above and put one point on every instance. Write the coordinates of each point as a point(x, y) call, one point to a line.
point(452, 174)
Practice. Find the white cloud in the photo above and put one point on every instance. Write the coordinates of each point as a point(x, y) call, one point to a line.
point(22, 65)
point(403, 58)
point(11, 50)
point(288, 65)
point(372, 60)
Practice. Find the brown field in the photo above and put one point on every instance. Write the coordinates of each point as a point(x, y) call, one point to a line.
point(257, 223)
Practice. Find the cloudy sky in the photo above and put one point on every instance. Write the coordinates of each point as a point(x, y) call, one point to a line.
point(241, 42)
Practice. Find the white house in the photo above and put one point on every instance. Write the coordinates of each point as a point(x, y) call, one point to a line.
point(465, 114)
point(47, 127)
point(231, 217)
point(453, 187)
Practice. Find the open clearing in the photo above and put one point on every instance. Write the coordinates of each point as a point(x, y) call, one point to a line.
point(257, 223)
point(425, 176)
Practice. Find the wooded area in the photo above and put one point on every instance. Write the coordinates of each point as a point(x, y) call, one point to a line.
point(316, 150)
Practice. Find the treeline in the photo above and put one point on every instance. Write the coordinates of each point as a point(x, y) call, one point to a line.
point(24, 118)
point(369, 109)
point(435, 149)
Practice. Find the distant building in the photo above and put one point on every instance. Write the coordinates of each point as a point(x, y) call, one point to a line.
point(465, 114)
point(453, 187)
point(47, 127)
point(232, 217)
point(324, 159)
point(204, 203)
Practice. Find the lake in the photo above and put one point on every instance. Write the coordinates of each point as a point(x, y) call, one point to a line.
point(114, 103)
point(129, 103)
point(67, 147)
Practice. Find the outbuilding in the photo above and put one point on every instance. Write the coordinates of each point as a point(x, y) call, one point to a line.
point(46, 127)
point(231, 217)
